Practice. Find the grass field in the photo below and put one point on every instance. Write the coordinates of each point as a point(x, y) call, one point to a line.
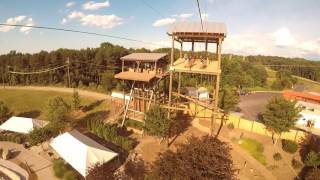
point(254, 148)
point(309, 84)
point(33, 103)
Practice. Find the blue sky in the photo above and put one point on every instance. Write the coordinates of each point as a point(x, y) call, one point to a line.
point(269, 27)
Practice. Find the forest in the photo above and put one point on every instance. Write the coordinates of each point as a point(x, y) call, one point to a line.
point(95, 67)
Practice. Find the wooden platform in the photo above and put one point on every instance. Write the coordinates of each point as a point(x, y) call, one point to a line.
point(195, 66)
point(135, 76)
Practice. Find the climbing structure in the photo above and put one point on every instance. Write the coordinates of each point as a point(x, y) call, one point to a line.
point(199, 64)
point(142, 73)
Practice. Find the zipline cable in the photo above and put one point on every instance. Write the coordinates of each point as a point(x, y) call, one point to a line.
point(37, 72)
point(81, 32)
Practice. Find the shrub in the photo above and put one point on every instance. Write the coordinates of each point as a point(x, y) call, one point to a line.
point(59, 168)
point(69, 175)
point(40, 135)
point(312, 159)
point(57, 109)
point(230, 126)
point(277, 156)
point(4, 110)
point(296, 164)
point(289, 146)
point(109, 133)
point(134, 124)
point(12, 137)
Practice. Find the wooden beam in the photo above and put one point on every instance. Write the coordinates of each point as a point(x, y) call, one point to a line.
point(181, 50)
point(179, 82)
point(171, 74)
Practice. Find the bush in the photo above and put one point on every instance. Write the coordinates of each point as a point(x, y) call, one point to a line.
point(69, 175)
point(40, 135)
point(109, 133)
point(57, 109)
point(134, 124)
point(230, 126)
point(59, 168)
point(277, 156)
point(296, 164)
point(4, 110)
point(12, 137)
point(289, 146)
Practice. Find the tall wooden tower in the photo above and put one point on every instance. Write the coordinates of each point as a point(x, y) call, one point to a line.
point(192, 33)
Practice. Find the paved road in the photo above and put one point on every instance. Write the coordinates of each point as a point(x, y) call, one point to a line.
point(253, 104)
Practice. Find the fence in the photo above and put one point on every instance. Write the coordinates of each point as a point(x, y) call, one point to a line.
point(248, 125)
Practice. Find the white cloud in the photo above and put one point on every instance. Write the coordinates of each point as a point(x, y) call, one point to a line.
point(64, 20)
point(70, 4)
point(29, 22)
point(103, 21)
point(92, 5)
point(164, 22)
point(75, 15)
point(13, 21)
point(183, 15)
point(23, 20)
point(284, 38)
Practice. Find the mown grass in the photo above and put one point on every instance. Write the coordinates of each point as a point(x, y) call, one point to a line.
point(31, 101)
point(254, 148)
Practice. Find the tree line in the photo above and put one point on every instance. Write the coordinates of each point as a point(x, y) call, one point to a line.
point(297, 66)
point(95, 67)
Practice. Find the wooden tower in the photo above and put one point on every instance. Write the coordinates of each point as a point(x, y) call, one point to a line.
point(189, 63)
point(142, 72)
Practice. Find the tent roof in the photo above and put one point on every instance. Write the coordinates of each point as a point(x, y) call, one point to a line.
point(80, 151)
point(22, 124)
point(145, 57)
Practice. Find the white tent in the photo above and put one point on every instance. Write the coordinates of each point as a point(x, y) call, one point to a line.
point(80, 151)
point(21, 124)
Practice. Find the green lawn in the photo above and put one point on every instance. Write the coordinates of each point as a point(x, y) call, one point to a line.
point(22, 102)
point(254, 148)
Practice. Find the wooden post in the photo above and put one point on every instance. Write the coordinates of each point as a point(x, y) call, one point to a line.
point(181, 49)
point(206, 49)
point(252, 125)
point(122, 69)
point(179, 82)
point(171, 74)
point(68, 62)
point(155, 67)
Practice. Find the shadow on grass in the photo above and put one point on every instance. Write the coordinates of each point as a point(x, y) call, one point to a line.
point(92, 106)
point(96, 116)
point(30, 114)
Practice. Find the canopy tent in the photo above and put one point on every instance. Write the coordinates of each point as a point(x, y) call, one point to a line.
point(22, 124)
point(80, 151)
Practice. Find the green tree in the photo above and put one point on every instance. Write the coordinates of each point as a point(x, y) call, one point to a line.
point(4, 111)
point(108, 82)
point(205, 158)
point(312, 159)
point(280, 115)
point(229, 98)
point(57, 109)
point(76, 102)
point(156, 122)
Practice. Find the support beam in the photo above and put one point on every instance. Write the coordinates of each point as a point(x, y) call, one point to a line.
point(171, 74)
point(181, 49)
point(179, 82)
point(122, 66)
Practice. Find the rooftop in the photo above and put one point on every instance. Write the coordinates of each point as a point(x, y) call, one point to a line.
point(145, 57)
point(192, 31)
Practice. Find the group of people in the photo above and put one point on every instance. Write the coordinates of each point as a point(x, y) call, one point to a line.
point(190, 59)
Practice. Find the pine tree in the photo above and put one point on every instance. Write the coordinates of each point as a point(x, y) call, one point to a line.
point(75, 100)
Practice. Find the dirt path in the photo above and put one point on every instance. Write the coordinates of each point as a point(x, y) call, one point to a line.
point(95, 95)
